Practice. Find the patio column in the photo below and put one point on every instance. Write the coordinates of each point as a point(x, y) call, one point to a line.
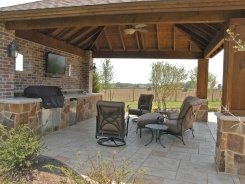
point(7, 64)
point(234, 71)
point(202, 89)
point(230, 145)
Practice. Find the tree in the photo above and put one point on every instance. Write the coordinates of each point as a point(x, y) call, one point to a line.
point(96, 82)
point(212, 80)
point(166, 79)
point(106, 75)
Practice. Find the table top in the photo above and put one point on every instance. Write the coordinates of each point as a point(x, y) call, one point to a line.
point(157, 126)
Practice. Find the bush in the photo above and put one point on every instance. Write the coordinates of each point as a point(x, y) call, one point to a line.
point(19, 149)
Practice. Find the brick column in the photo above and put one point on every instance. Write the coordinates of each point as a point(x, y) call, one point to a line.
point(87, 74)
point(7, 64)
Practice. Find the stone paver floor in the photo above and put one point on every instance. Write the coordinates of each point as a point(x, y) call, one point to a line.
point(175, 164)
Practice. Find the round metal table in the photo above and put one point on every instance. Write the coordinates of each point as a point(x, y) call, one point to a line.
point(157, 128)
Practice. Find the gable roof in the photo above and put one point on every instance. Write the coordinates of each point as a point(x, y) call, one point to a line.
point(174, 28)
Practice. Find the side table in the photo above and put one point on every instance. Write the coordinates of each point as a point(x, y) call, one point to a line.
point(157, 128)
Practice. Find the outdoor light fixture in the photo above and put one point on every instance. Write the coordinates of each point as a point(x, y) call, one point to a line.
point(92, 66)
point(13, 49)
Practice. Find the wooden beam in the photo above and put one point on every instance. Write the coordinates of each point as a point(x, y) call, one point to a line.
point(103, 20)
point(107, 40)
point(96, 38)
point(87, 37)
point(121, 37)
point(215, 44)
point(122, 8)
point(137, 40)
point(158, 37)
point(148, 54)
point(49, 42)
point(202, 79)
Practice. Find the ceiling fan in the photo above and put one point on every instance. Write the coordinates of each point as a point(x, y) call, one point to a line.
point(131, 29)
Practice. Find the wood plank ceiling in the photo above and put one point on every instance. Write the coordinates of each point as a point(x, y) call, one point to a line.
point(172, 40)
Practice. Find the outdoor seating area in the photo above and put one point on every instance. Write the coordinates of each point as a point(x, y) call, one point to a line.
point(175, 164)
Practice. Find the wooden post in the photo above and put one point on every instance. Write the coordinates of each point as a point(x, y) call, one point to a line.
point(202, 79)
point(234, 71)
point(202, 89)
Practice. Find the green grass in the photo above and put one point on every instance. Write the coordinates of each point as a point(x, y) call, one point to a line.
point(214, 106)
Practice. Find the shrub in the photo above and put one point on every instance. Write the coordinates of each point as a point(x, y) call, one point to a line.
point(19, 149)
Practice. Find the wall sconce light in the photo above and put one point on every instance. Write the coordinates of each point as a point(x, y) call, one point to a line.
point(92, 66)
point(13, 49)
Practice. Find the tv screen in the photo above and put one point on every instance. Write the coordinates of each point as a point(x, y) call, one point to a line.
point(56, 64)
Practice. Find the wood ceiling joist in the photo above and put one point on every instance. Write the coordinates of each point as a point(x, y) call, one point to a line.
point(103, 20)
point(201, 44)
point(94, 39)
point(201, 31)
point(158, 37)
point(88, 37)
point(85, 34)
point(215, 44)
point(49, 42)
point(107, 39)
point(137, 40)
point(47, 31)
point(121, 37)
point(205, 30)
point(75, 35)
point(148, 54)
point(65, 32)
point(195, 33)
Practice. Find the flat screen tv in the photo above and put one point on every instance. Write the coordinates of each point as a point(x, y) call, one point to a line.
point(56, 64)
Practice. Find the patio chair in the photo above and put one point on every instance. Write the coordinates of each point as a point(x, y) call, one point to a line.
point(180, 122)
point(111, 128)
point(144, 106)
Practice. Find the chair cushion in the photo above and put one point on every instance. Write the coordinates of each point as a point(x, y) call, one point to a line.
point(137, 112)
point(173, 126)
point(148, 118)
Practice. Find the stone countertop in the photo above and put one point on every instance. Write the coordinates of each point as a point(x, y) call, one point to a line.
point(24, 100)
point(221, 116)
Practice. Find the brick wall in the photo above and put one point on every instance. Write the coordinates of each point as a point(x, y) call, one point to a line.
point(6, 63)
point(34, 56)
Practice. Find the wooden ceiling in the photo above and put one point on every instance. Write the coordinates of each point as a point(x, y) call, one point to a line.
point(171, 32)
point(159, 41)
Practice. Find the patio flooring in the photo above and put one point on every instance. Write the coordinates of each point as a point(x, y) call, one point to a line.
point(175, 164)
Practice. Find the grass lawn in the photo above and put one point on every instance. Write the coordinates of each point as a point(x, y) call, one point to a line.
point(212, 106)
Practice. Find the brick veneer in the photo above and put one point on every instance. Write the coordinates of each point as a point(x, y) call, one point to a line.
point(230, 145)
point(34, 56)
point(6, 63)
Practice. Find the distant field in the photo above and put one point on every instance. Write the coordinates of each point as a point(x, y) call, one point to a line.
point(212, 106)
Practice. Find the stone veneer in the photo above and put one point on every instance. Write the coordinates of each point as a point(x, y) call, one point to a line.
point(48, 120)
point(230, 145)
point(202, 115)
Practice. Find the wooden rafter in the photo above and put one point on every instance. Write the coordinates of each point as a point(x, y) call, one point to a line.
point(216, 43)
point(107, 39)
point(95, 39)
point(174, 38)
point(137, 40)
point(158, 37)
point(49, 41)
point(77, 34)
point(121, 37)
point(200, 44)
point(63, 33)
point(82, 42)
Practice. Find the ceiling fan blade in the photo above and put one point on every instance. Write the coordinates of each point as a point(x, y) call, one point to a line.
point(136, 26)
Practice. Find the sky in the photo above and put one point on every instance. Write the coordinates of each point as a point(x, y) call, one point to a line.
point(138, 70)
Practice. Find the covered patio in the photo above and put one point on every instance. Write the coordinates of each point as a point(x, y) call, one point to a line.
point(175, 164)
point(83, 30)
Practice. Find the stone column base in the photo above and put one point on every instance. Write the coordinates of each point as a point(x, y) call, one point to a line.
point(202, 115)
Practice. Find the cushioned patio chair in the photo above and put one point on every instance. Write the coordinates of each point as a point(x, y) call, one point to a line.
point(144, 106)
point(111, 128)
point(180, 122)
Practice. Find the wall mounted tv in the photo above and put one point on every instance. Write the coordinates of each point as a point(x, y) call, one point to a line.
point(55, 64)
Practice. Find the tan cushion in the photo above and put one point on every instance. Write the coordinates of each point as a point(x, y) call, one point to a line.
point(148, 118)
